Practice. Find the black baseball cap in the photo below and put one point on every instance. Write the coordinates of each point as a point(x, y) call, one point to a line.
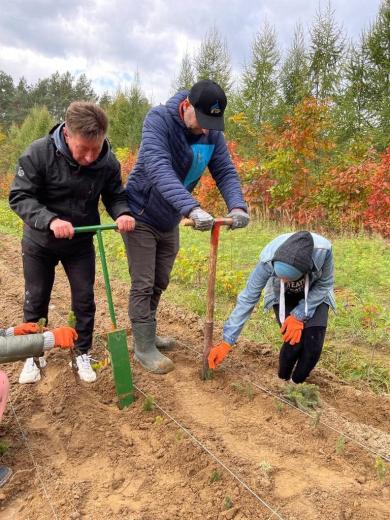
point(209, 102)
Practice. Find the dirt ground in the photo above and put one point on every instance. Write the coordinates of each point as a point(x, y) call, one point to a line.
point(76, 455)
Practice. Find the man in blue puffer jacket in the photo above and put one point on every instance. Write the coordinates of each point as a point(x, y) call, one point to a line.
point(179, 140)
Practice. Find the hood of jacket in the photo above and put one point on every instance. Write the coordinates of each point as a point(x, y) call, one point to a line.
point(172, 106)
point(57, 136)
point(297, 250)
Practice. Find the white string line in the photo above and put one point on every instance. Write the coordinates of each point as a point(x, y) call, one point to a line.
point(199, 443)
point(320, 421)
point(24, 437)
point(347, 436)
point(236, 477)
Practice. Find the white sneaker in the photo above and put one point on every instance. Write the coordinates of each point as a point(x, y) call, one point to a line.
point(30, 372)
point(86, 372)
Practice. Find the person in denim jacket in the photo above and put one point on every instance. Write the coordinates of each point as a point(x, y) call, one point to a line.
point(297, 272)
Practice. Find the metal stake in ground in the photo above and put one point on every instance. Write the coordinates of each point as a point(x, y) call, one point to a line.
point(117, 341)
point(209, 323)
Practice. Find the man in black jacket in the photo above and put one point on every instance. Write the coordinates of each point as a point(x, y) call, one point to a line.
point(58, 184)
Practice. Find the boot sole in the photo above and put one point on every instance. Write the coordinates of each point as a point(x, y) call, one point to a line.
point(154, 371)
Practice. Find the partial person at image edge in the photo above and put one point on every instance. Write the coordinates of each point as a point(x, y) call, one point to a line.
point(21, 342)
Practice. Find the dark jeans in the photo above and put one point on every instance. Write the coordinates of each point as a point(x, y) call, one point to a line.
point(39, 271)
point(151, 255)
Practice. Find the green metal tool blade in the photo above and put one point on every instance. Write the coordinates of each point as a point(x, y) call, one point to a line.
point(120, 363)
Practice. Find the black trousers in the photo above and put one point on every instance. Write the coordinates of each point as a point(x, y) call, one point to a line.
point(78, 260)
point(297, 361)
point(151, 255)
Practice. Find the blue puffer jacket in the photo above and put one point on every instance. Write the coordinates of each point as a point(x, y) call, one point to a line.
point(170, 162)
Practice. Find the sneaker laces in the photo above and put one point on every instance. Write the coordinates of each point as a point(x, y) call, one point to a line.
point(85, 361)
point(29, 364)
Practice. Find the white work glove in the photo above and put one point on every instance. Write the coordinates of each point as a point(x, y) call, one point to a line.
point(203, 221)
point(240, 218)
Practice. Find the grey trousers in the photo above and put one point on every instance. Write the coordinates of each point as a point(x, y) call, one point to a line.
point(151, 255)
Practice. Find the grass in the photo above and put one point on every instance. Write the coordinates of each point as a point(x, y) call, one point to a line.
point(357, 346)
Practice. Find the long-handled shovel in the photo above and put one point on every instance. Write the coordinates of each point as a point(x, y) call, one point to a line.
point(209, 324)
point(117, 341)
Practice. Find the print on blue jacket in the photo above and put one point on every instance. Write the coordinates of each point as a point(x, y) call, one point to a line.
point(263, 276)
point(170, 162)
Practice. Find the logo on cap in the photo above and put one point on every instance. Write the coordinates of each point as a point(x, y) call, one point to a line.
point(215, 109)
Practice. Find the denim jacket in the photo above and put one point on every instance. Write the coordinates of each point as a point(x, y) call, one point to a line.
point(263, 276)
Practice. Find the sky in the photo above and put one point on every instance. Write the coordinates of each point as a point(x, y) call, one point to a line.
point(112, 41)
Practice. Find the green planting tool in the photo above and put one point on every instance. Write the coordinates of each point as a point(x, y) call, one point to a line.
point(117, 341)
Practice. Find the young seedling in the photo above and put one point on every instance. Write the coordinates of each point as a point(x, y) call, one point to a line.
point(279, 406)
point(316, 419)
point(148, 404)
point(340, 445)
point(179, 436)
point(249, 390)
point(266, 468)
point(245, 388)
point(207, 375)
point(228, 503)
point(71, 319)
point(4, 447)
point(215, 476)
point(381, 469)
point(305, 396)
point(159, 419)
point(41, 324)
point(72, 323)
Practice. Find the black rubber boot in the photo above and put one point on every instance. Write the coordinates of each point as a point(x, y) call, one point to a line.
point(145, 351)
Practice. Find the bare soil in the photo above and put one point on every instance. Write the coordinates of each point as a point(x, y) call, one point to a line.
point(76, 455)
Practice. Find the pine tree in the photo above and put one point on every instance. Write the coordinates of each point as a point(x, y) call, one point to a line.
point(294, 77)
point(213, 60)
point(37, 124)
point(377, 46)
point(7, 90)
point(326, 54)
point(185, 78)
point(59, 90)
point(351, 115)
point(259, 81)
point(126, 115)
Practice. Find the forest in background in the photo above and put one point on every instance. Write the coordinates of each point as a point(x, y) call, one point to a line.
point(308, 129)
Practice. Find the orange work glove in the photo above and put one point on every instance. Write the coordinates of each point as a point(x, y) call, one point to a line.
point(26, 328)
point(218, 353)
point(292, 330)
point(64, 337)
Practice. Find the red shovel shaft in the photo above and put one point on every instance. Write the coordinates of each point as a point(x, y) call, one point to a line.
point(209, 324)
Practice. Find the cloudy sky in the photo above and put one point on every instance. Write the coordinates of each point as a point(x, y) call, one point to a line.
point(110, 40)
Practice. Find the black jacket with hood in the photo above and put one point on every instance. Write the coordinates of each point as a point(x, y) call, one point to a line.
point(49, 184)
